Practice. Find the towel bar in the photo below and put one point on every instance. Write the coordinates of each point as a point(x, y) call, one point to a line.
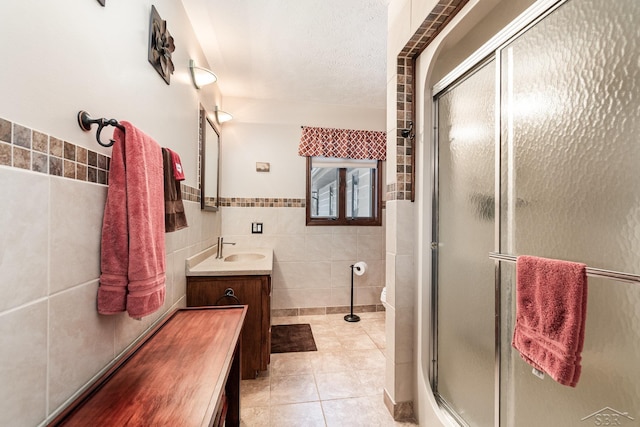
point(228, 293)
point(592, 272)
point(85, 121)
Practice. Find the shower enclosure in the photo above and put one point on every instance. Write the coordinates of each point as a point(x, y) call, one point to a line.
point(538, 153)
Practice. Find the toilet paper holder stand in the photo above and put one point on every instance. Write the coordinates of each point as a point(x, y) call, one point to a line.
point(359, 269)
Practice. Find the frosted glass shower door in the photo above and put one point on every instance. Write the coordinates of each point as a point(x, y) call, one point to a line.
point(465, 235)
point(570, 189)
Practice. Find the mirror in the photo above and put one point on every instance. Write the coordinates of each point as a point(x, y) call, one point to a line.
point(209, 164)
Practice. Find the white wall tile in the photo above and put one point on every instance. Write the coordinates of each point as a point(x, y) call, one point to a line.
point(405, 228)
point(179, 275)
point(391, 227)
point(373, 275)
point(370, 246)
point(404, 288)
point(81, 341)
point(341, 274)
point(318, 247)
point(24, 221)
point(344, 247)
point(289, 248)
point(285, 298)
point(390, 280)
point(180, 239)
point(404, 335)
point(341, 297)
point(77, 210)
point(291, 221)
point(127, 330)
point(404, 380)
point(390, 332)
point(367, 295)
point(377, 230)
point(296, 275)
point(24, 365)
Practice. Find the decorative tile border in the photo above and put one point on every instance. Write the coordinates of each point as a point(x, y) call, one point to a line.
point(313, 311)
point(190, 194)
point(259, 202)
point(440, 15)
point(29, 149)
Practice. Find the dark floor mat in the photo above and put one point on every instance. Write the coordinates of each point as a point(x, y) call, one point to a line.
point(292, 338)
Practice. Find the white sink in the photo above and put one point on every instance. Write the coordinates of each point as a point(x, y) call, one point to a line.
point(243, 257)
point(236, 262)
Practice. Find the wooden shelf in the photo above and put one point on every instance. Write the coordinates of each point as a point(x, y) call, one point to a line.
point(185, 372)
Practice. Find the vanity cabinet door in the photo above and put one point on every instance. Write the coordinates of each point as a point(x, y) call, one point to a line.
point(253, 291)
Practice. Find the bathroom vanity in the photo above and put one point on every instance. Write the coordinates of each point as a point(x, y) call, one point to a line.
point(240, 277)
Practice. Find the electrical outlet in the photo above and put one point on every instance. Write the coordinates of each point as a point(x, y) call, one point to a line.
point(256, 228)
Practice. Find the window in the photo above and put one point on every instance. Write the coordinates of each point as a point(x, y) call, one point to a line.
point(343, 191)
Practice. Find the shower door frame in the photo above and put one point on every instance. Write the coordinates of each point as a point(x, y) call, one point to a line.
point(435, 230)
point(492, 50)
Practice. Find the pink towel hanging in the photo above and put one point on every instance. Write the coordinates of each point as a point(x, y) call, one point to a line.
point(551, 306)
point(133, 246)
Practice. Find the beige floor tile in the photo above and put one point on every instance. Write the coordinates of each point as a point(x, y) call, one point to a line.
point(283, 364)
point(357, 342)
point(377, 325)
point(293, 389)
point(317, 319)
point(371, 382)
point(255, 417)
point(339, 385)
point(334, 361)
point(367, 359)
point(359, 411)
point(255, 393)
point(348, 329)
point(297, 415)
point(372, 315)
point(322, 329)
point(379, 338)
point(329, 343)
point(338, 321)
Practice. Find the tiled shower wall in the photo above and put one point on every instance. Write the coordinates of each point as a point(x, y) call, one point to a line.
point(53, 339)
point(311, 271)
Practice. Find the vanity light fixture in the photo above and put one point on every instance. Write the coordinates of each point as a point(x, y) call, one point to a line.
point(222, 116)
point(201, 76)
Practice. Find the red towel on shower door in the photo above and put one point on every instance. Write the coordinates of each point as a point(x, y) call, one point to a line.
point(551, 308)
point(133, 247)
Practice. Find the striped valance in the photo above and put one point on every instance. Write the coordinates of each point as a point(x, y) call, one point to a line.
point(343, 143)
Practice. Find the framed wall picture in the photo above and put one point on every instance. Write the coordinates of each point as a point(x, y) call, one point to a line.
point(263, 167)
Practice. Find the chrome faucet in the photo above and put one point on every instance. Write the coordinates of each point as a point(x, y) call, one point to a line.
point(221, 243)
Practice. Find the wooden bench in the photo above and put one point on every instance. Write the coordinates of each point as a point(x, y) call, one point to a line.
point(185, 372)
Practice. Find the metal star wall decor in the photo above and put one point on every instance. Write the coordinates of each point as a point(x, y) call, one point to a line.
point(160, 46)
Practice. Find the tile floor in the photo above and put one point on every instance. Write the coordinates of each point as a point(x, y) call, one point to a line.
point(341, 384)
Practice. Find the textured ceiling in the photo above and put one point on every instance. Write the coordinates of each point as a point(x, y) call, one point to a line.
point(321, 51)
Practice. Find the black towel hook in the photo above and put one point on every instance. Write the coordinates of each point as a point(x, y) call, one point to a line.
point(85, 121)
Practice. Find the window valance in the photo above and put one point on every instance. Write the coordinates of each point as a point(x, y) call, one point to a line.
point(343, 143)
